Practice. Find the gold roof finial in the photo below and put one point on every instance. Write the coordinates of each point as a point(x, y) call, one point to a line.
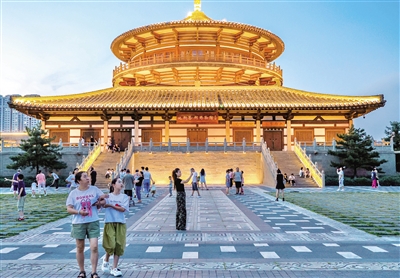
point(197, 14)
point(197, 5)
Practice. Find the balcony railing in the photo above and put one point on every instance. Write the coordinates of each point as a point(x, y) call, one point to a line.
point(225, 58)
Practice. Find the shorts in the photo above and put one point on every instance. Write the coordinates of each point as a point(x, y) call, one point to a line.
point(128, 192)
point(86, 230)
point(21, 203)
point(114, 238)
point(238, 184)
point(15, 187)
point(194, 186)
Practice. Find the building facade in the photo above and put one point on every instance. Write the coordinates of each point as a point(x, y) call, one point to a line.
point(198, 79)
point(12, 120)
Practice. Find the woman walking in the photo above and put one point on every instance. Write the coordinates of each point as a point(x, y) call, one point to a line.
point(279, 185)
point(85, 220)
point(203, 179)
point(179, 186)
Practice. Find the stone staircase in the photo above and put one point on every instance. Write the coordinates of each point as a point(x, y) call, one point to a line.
point(103, 162)
point(162, 164)
point(289, 163)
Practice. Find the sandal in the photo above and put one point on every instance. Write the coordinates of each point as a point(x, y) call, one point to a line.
point(82, 274)
point(94, 275)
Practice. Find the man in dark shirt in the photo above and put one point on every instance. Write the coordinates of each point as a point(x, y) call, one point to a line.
point(93, 176)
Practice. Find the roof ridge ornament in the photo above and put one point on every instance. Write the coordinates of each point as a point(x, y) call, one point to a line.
point(197, 14)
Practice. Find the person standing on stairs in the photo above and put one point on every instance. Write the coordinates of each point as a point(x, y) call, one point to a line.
point(279, 185)
point(93, 176)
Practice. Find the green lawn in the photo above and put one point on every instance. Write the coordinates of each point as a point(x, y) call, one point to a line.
point(38, 211)
point(375, 213)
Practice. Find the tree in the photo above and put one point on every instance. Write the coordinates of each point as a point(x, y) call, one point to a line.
point(355, 150)
point(38, 152)
point(393, 130)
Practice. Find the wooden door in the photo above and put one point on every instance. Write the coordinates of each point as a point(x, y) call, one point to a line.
point(304, 135)
point(239, 134)
point(274, 139)
point(331, 134)
point(197, 136)
point(154, 134)
point(59, 134)
point(122, 138)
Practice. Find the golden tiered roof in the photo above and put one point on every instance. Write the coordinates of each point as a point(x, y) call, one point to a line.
point(197, 99)
point(197, 51)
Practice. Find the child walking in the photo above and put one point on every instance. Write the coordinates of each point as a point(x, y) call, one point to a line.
point(153, 189)
point(33, 189)
point(170, 186)
point(114, 235)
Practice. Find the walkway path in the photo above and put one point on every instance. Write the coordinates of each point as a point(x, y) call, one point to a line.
point(248, 235)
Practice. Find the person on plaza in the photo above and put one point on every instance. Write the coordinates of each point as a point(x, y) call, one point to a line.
point(179, 186)
point(292, 179)
point(109, 145)
point(33, 189)
point(203, 179)
point(135, 177)
point(195, 187)
point(14, 185)
point(237, 177)
point(153, 190)
point(280, 187)
point(21, 195)
point(170, 186)
point(285, 178)
point(83, 203)
point(307, 173)
point(241, 187)
point(71, 180)
point(83, 141)
point(228, 181)
point(122, 173)
point(231, 176)
point(146, 181)
point(108, 173)
point(41, 181)
point(340, 173)
point(374, 178)
point(114, 233)
point(93, 176)
point(56, 178)
point(301, 173)
point(128, 181)
point(138, 185)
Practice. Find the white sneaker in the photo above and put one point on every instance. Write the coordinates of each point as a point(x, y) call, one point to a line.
point(105, 267)
point(342, 189)
point(116, 272)
point(198, 196)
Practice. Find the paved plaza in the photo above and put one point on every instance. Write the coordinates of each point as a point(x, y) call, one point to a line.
point(248, 235)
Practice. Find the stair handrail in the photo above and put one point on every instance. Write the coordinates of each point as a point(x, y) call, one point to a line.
point(272, 166)
point(126, 157)
point(87, 161)
point(317, 175)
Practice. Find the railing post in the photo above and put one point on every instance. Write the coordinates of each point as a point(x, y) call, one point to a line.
point(150, 145)
point(323, 178)
point(244, 145)
point(187, 145)
point(391, 142)
point(334, 144)
point(315, 144)
point(206, 146)
point(169, 145)
point(80, 147)
point(224, 145)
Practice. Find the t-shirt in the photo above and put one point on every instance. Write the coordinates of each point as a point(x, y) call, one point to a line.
point(128, 181)
point(170, 184)
point(146, 175)
point(140, 180)
point(41, 178)
point(21, 185)
point(237, 176)
point(71, 179)
point(111, 214)
point(179, 186)
point(153, 187)
point(84, 200)
point(194, 177)
point(55, 176)
point(34, 185)
point(15, 177)
point(341, 176)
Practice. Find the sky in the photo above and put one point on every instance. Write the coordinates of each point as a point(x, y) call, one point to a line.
point(332, 47)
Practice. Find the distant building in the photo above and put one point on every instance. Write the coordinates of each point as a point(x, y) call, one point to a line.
point(13, 121)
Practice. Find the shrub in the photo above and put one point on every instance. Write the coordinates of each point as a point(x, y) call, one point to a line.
point(363, 181)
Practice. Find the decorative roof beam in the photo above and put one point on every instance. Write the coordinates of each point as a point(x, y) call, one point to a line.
point(156, 36)
point(237, 36)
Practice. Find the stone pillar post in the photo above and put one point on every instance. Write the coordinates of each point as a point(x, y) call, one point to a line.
point(258, 119)
point(136, 117)
point(166, 117)
point(105, 118)
point(227, 119)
